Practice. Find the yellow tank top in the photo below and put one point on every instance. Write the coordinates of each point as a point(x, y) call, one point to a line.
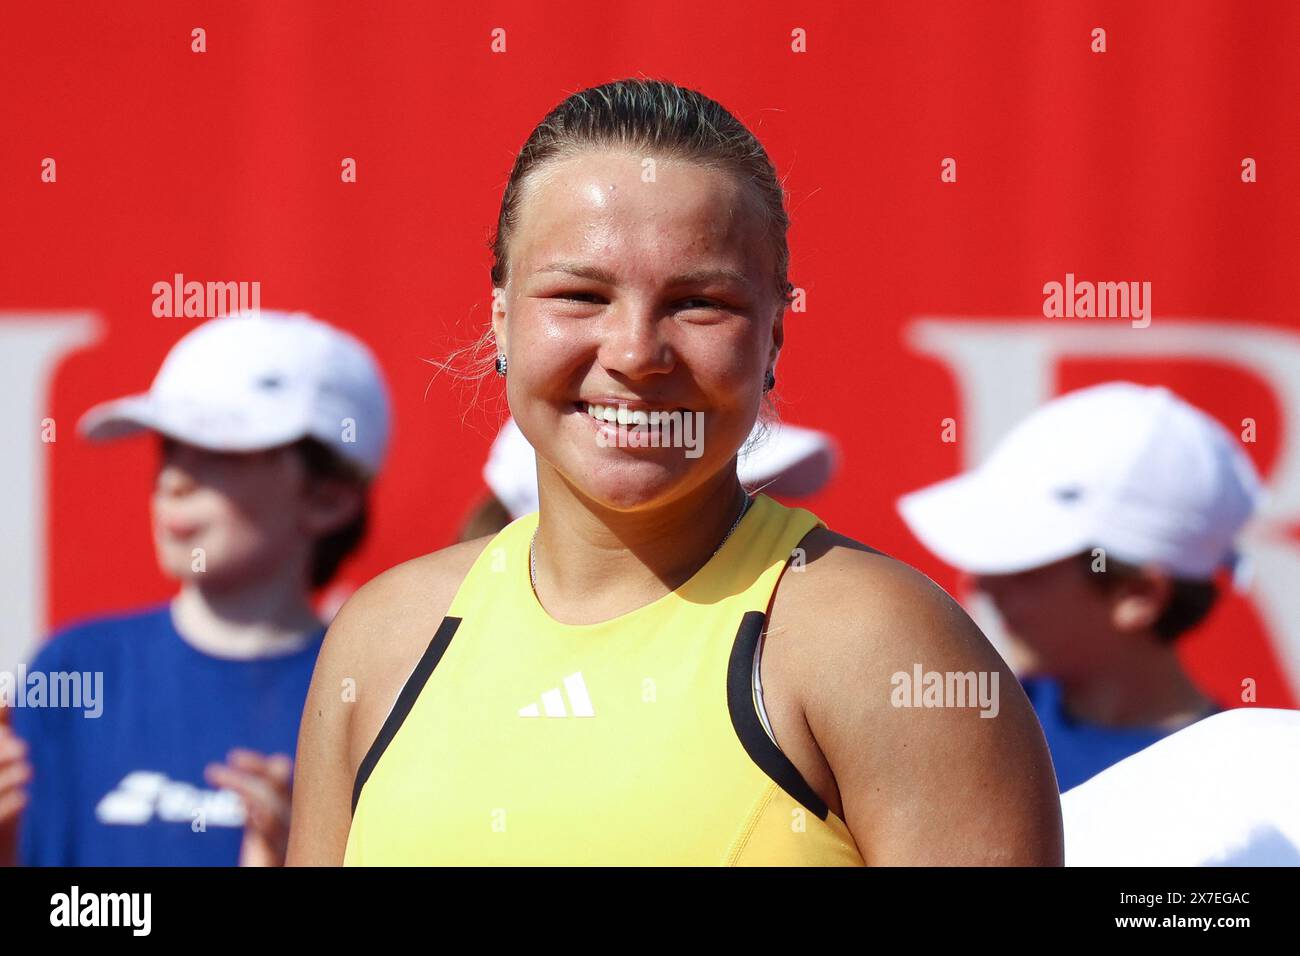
point(640, 740)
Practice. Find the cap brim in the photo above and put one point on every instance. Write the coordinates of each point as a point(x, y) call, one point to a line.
point(793, 461)
point(136, 413)
point(118, 418)
point(981, 526)
point(510, 471)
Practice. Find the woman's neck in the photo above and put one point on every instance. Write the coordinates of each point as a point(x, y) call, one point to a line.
point(596, 563)
point(264, 619)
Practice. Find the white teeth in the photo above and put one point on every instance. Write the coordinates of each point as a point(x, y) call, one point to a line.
point(620, 414)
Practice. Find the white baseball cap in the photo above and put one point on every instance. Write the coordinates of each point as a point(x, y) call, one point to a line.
point(250, 381)
point(1131, 469)
point(788, 460)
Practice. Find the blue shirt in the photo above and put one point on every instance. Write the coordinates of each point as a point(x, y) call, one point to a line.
point(125, 787)
point(1082, 750)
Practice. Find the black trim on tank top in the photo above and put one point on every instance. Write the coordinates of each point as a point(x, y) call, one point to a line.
point(405, 701)
point(744, 719)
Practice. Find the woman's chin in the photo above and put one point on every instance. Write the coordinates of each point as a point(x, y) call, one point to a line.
point(624, 472)
point(628, 485)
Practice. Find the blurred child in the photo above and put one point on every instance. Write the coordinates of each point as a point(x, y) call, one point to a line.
point(1096, 527)
point(271, 428)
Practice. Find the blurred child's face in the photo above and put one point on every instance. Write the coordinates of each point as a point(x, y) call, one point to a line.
point(1060, 621)
point(226, 519)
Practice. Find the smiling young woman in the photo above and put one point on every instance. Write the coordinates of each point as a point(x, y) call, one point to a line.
point(630, 675)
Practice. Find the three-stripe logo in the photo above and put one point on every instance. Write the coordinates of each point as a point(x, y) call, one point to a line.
point(552, 704)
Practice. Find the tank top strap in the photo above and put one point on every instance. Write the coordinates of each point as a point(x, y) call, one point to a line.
point(494, 575)
point(746, 569)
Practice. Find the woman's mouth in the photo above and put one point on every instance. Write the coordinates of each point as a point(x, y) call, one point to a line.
point(644, 426)
point(622, 414)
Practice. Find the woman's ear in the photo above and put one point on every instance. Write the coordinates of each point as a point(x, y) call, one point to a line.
point(499, 319)
point(778, 339)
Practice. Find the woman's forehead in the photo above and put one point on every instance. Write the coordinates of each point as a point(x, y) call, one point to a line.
point(616, 203)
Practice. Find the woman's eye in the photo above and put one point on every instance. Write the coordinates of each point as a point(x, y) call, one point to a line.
point(595, 298)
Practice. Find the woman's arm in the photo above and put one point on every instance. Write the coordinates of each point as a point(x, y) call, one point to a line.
point(969, 782)
point(322, 786)
point(371, 648)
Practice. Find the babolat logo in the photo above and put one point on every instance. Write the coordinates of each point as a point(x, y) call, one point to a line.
point(75, 908)
point(145, 794)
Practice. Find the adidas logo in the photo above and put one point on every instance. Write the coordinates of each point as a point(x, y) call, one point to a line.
point(553, 701)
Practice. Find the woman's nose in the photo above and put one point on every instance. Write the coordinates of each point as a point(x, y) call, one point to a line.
point(635, 346)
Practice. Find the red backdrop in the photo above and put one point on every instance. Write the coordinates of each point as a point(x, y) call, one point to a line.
point(225, 165)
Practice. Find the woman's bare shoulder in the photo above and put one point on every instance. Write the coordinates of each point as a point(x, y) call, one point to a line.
point(842, 573)
point(860, 602)
point(853, 617)
point(430, 580)
point(405, 603)
point(858, 626)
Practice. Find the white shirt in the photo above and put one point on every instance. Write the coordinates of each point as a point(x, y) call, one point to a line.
point(1223, 792)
